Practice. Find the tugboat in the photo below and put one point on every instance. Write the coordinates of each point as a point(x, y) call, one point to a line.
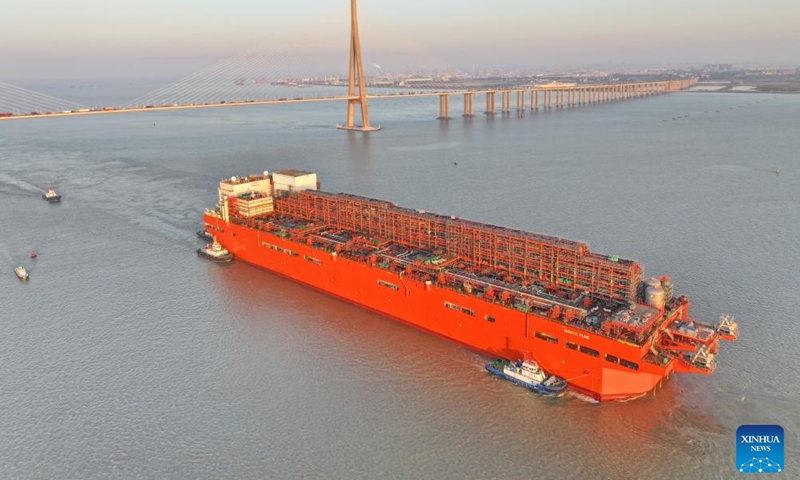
point(528, 374)
point(21, 273)
point(205, 235)
point(51, 195)
point(215, 252)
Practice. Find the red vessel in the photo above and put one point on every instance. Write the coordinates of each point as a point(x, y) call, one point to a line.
point(585, 317)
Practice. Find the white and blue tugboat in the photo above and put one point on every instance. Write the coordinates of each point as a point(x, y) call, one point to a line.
point(215, 252)
point(528, 374)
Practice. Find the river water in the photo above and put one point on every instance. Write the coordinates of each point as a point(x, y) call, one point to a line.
point(127, 356)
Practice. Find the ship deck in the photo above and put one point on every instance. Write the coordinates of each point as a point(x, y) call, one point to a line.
point(629, 322)
point(691, 329)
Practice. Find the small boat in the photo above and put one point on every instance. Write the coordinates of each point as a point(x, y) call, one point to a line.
point(51, 195)
point(215, 252)
point(33, 254)
point(205, 235)
point(528, 374)
point(21, 273)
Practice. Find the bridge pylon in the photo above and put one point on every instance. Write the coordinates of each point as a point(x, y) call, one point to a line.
point(356, 80)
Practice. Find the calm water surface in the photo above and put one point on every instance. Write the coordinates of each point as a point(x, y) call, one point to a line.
point(126, 356)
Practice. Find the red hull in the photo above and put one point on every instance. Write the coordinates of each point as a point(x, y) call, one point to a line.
point(571, 353)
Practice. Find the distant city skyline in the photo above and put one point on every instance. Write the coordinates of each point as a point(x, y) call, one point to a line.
point(171, 38)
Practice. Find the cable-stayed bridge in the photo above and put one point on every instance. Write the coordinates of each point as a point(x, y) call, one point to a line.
point(260, 78)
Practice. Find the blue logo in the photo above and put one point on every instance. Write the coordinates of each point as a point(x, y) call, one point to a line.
point(759, 449)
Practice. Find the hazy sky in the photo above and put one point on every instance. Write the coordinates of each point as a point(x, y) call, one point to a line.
point(111, 38)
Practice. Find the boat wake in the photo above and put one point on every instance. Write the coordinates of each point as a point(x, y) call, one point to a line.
point(19, 184)
point(632, 398)
point(582, 397)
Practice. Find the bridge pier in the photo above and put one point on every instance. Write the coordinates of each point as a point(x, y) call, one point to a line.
point(490, 103)
point(505, 102)
point(444, 106)
point(520, 100)
point(468, 112)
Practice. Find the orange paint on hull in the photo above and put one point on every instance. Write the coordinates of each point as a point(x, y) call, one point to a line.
point(576, 355)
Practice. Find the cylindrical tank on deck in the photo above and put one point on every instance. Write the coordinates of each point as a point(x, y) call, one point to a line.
point(654, 296)
point(647, 283)
point(652, 282)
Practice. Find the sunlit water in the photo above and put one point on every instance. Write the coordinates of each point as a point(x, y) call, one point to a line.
point(127, 356)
